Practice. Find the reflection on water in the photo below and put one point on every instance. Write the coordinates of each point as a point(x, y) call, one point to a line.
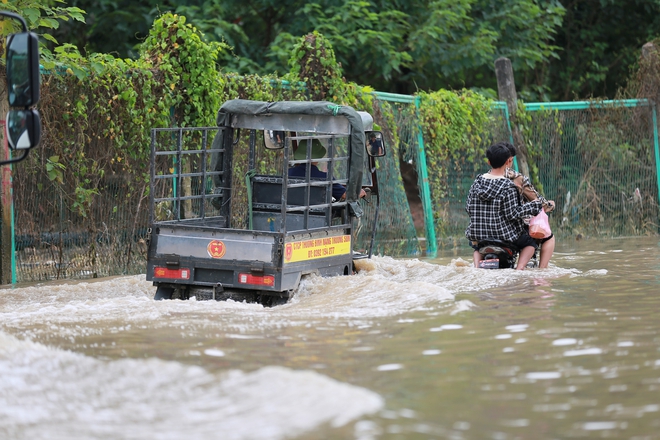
point(405, 349)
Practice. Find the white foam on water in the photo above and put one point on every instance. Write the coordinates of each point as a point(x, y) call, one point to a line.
point(214, 352)
point(386, 288)
point(564, 341)
point(463, 306)
point(431, 352)
point(599, 426)
point(543, 375)
point(517, 328)
point(585, 351)
point(383, 288)
point(596, 272)
point(56, 394)
point(446, 327)
point(389, 367)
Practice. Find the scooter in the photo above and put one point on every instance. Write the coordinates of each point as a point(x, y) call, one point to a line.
point(498, 254)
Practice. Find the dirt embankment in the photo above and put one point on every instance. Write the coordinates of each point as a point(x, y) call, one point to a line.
point(409, 177)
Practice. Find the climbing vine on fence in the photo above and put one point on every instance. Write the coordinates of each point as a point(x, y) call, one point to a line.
point(188, 67)
point(454, 126)
point(98, 111)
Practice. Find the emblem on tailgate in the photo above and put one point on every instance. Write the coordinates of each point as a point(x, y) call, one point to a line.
point(216, 249)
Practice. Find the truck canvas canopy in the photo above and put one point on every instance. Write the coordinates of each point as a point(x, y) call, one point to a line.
point(315, 117)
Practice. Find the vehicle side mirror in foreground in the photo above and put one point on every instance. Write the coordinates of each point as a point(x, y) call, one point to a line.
point(23, 69)
point(23, 124)
point(23, 129)
point(375, 144)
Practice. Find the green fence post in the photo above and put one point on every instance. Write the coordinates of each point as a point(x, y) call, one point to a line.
point(14, 273)
point(431, 243)
point(655, 147)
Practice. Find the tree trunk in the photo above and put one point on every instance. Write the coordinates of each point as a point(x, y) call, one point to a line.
point(506, 89)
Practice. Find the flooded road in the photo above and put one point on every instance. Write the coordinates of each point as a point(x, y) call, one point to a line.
point(408, 348)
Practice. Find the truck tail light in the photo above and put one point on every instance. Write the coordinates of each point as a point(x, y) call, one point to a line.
point(264, 280)
point(171, 274)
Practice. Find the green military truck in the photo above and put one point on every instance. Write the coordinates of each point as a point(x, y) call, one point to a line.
point(245, 209)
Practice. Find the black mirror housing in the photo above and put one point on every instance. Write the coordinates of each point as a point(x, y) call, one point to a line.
point(23, 124)
point(23, 129)
point(23, 69)
point(375, 144)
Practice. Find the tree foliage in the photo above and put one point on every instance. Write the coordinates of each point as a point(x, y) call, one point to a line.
point(600, 42)
point(45, 15)
point(560, 49)
point(390, 45)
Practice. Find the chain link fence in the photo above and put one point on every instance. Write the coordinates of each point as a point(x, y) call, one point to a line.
point(599, 162)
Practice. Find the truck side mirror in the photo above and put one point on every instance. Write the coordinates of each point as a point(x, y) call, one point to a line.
point(23, 129)
point(274, 139)
point(375, 144)
point(23, 69)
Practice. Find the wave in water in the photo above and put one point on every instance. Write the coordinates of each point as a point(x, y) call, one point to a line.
point(52, 393)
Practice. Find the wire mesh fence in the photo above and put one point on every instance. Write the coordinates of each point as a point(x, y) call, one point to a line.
point(598, 162)
point(395, 233)
point(58, 236)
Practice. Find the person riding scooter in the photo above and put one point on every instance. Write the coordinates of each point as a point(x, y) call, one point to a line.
point(496, 211)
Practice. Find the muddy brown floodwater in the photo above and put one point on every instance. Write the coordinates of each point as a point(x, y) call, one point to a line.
point(407, 348)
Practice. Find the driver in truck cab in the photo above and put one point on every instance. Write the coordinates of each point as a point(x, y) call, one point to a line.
point(375, 145)
point(318, 152)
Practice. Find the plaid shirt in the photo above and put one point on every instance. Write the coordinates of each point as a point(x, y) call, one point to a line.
point(496, 210)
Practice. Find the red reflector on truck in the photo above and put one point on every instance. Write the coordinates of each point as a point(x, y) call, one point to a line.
point(172, 274)
point(266, 280)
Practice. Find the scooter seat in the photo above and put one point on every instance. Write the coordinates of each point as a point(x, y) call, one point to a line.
point(495, 250)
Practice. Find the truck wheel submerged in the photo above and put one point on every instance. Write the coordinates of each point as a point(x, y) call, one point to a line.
point(163, 292)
